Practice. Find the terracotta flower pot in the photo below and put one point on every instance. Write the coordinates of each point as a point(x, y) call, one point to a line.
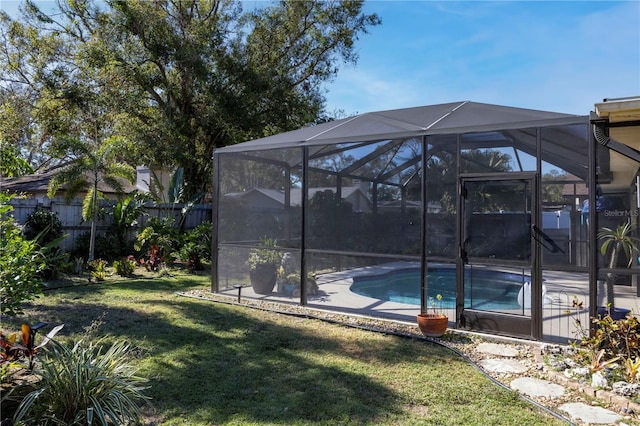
point(433, 325)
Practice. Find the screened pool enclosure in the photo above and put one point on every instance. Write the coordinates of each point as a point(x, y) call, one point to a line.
point(377, 214)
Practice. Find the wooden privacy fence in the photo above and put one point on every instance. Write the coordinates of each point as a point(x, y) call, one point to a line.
point(71, 215)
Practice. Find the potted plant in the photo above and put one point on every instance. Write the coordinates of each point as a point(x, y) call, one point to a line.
point(615, 242)
point(289, 284)
point(433, 323)
point(263, 264)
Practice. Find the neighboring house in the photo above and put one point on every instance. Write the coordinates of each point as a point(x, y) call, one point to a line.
point(32, 190)
point(396, 206)
point(575, 193)
point(260, 198)
point(359, 201)
point(33, 195)
point(274, 199)
point(156, 182)
point(36, 186)
point(623, 121)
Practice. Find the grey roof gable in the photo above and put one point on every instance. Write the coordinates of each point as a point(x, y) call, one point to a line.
point(456, 117)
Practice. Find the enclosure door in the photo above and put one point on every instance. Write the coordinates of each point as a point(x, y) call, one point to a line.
point(497, 283)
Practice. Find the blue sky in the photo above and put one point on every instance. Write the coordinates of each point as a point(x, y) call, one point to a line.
point(553, 56)
point(547, 55)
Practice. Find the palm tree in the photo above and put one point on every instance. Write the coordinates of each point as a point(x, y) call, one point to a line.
point(89, 168)
point(617, 241)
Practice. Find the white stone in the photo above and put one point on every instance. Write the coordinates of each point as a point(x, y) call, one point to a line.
point(598, 380)
point(570, 363)
point(502, 365)
point(626, 389)
point(537, 387)
point(589, 414)
point(580, 372)
point(496, 349)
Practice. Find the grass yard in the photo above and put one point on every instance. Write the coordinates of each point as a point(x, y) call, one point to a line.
point(217, 364)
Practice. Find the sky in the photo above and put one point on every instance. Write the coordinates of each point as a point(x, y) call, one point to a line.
point(547, 55)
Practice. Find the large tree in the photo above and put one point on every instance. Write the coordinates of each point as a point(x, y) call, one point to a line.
point(191, 76)
point(28, 106)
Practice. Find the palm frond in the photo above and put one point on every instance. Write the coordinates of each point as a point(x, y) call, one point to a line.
point(176, 186)
point(72, 177)
point(620, 239)
point(113, 183)
point(122, 170)
point(75, 187)
point(54, 184)
point(88, 207)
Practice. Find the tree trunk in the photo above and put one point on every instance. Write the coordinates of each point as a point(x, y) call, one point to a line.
point(92, 237)
point(611, 277)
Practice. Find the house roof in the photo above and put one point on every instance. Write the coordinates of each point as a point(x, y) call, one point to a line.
point(34, 183)
point(619, 110)
point(296, 193)
point(38, 183)
point(456, 117)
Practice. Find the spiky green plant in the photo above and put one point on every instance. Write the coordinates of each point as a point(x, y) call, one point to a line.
point(83, 384)
point(616, 242)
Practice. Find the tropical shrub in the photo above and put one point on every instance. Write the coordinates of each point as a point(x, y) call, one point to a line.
point(612, 342)
point(45, 228)
point(125, 214)
point(152, 260)
point(82, 383)
point(98, 268)
point(20, 263)
point(44, 225)
point(125, 267)
point(201, 234)
point(191, 253)
point(197, 245)
point(106, 246)
point(161, 234)
point(55, 260)
point(13, 348)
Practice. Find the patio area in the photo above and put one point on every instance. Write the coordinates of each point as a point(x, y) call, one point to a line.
point(474, 188)
point(566, 299)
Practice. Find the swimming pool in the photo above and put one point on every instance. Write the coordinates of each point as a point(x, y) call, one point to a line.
point(488, 289)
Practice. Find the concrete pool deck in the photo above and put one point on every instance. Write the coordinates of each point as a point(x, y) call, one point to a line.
point(567, 298)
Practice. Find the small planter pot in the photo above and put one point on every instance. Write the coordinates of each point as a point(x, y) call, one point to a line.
point(263, 278)
point(616, 313)
point(288, 288)
point(433, 325)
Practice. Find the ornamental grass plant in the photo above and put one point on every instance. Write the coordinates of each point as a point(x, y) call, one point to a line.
point(86, 382)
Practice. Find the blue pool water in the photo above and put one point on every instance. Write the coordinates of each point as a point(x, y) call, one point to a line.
point(485, 289)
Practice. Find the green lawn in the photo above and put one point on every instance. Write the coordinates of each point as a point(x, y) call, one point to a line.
point(217, 364)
